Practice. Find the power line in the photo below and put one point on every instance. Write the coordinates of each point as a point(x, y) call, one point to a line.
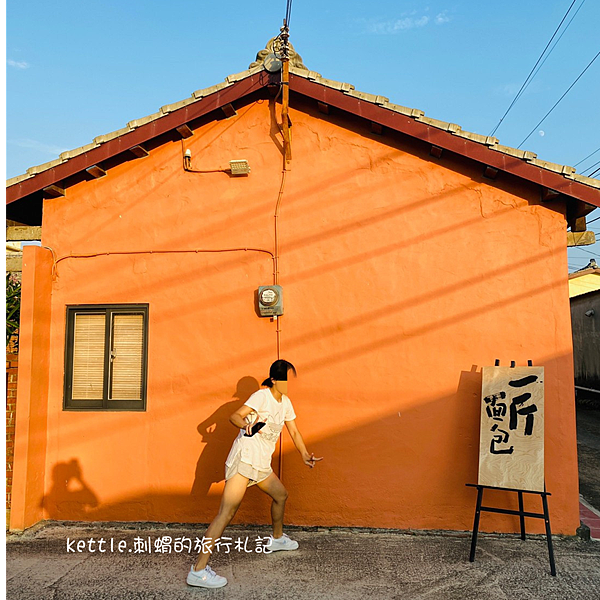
point(588, 156)
point(555, 43)
point(288, 12)
point(572, 264)
point(532, 70)
point(558, 101)
point(591, 167)
point(584, 250)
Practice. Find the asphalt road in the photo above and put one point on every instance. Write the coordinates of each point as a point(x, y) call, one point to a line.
point(329, 565)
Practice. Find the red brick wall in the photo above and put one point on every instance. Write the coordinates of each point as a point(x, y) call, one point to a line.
point(11, 399)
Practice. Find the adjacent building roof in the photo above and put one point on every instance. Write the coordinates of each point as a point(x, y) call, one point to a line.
point(591, 267)
point(26, 191)
point(585, 281)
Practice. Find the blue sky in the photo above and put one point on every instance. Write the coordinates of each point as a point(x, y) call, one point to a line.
point(78, 69)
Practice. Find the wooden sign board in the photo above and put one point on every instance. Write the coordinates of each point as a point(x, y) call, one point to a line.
point(511, 442)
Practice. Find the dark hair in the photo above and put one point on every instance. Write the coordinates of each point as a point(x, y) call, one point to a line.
point(279, 372)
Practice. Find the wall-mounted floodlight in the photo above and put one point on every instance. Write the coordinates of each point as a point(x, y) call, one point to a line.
point(236, 167)
point(239, 167)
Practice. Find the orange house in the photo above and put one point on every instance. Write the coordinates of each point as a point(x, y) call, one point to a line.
point(410, 255)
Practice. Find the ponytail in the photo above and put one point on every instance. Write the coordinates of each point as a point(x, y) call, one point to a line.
point(279, 372)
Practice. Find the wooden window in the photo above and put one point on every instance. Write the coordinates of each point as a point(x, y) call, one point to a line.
point(106, 357)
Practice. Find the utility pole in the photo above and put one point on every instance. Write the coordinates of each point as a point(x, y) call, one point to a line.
point(285, 82)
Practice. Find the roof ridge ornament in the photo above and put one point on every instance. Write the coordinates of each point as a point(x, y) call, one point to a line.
point(274, 46)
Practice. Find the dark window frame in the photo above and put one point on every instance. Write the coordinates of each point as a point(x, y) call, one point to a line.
point(104, 404)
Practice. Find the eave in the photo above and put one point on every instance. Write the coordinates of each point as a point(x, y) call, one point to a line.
point(483, 153)
point(555, 181)
point(137, 136)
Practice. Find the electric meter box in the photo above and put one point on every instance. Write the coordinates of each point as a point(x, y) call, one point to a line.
point(270, 300)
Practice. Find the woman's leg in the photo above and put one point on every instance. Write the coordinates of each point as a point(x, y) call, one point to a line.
point(274, 488)
point(234, 491)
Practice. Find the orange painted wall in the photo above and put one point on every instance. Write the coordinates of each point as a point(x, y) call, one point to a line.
point(403, 275)
point(31, 415)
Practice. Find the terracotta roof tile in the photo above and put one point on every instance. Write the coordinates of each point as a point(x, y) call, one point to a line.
point(210, 90)
point(336, 85)
point(139, 122)
point(111, 136)
point(17, 179)
point(168, 108)
point(78, 151)
point(453, 127)
point(368, 97)
point(583, 179)
point(488, 140)
point(524, 154)
point(550, 166)
point(314, 76)
point(404, 110)
point(44, 167)
point(237, 76)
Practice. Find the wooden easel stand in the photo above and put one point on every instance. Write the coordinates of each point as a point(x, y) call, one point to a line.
point(520, 513)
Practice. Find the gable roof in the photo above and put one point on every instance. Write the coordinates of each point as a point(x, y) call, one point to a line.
point(25, 192)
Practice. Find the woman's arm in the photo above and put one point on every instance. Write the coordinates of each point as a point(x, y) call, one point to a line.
point(308, 457)
point(238, 418)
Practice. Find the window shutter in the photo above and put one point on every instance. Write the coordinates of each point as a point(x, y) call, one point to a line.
point(88, 356)
point(127, 361)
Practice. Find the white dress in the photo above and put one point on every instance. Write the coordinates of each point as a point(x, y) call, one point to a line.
point(251, 456)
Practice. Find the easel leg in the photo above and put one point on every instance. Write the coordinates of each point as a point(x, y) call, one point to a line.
point(549, 535)
point(521, 516)
point(476, 523)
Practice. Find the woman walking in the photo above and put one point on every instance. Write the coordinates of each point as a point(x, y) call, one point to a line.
point(249, 463)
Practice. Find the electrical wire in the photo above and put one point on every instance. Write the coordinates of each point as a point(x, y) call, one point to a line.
point(131, 252)
point(279, 197)
point(588, 156)
point(288, 12)
point(582, 259)
point(590, 168)
point(555, 43)
point(559, 100)
point(283, 40)
point(531, 75)
point(584, 250)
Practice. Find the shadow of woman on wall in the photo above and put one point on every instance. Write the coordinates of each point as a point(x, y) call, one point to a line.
point(218, 434)
point(69, 495)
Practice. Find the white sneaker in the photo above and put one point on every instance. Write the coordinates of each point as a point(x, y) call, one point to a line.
point(205, 578)
point(282, 543)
